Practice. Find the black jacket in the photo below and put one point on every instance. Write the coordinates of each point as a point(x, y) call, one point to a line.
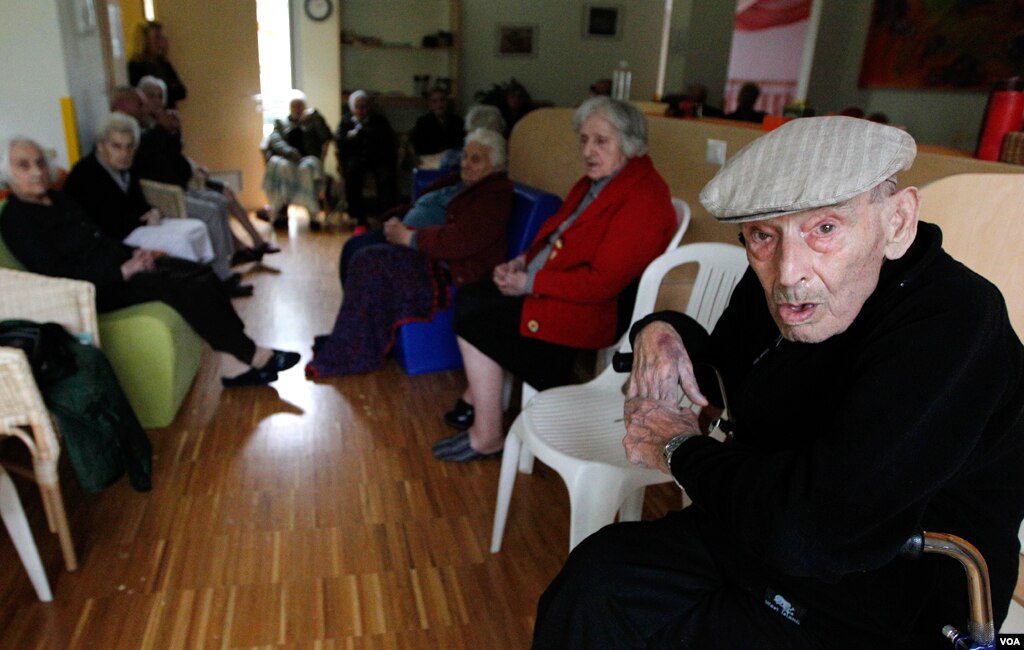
point(909, 420)
point(115, 212)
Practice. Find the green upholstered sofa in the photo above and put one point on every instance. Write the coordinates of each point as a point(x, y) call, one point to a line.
point(154, 352)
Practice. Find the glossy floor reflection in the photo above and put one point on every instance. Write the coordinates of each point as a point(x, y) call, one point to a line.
point(298, 515)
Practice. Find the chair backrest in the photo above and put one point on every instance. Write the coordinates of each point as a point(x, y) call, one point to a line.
point(422, 177)
point(682, 209)
point(720, 267)
point(531, 208)
point(982, 221)
point(168, 199)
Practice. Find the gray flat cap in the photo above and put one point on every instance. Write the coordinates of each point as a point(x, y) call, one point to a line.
point(811, 162)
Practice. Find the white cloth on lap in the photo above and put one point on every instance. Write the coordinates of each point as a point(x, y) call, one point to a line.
point(185, 238)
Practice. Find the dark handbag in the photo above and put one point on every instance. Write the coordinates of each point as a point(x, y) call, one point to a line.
point(45, 345)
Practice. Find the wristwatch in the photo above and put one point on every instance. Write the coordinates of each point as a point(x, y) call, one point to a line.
point(673, 444)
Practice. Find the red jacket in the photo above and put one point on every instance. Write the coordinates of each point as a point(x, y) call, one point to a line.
point(608, 246)
point(474, 235)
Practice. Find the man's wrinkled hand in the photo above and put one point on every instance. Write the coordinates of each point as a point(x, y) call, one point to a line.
point(650, 424)
point(661, 366)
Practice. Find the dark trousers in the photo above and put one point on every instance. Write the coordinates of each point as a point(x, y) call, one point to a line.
point(193, 291)
point(353, 246)
point(387, 188)
point(656, 584)
point(490, 321)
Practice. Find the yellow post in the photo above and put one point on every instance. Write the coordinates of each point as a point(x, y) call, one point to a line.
point(67, 111)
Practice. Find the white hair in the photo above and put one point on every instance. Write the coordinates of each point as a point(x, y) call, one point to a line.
point(495, 143)
point(484, 116)
point(149, 81)
point(356, 96)
point(297, 95)
point(627, 120)
point(117, 122)
point(5, 158)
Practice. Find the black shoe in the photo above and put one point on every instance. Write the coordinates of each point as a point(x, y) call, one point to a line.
point(251, 377)
point(315, 225)
point(280, 361)
point(239, 290)
point(246, 255)
point(460, 417)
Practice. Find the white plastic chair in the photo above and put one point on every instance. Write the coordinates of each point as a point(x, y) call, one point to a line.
point(17, 525)
point(604, 356)
point(682, 219)
point(578, 430)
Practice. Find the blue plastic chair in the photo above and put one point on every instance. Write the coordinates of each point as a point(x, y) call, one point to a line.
point(431, 346)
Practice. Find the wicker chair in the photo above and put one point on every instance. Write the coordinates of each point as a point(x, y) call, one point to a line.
point(23, 414)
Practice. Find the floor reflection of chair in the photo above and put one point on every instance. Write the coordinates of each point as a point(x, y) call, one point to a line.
point(578, 430)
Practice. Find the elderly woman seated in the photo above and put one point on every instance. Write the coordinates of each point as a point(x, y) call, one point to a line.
point(481, 116)
point(407, 279)
point(537, 310)
point(294, 151)
point(366, 145)
point(104, 185)
point(50, 234)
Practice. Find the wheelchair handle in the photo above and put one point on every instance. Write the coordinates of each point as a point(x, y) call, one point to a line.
point(980, 626)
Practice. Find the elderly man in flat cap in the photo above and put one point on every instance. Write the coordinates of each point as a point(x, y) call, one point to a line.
point(875, 389)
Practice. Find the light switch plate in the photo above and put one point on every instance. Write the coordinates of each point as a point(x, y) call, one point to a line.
point(716, 152)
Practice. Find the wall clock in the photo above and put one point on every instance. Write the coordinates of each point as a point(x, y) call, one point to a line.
point(319, 10)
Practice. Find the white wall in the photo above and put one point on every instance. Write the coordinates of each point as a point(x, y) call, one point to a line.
point(32, 76)
point(566, 62)
point(317, 64)
point(935, 117)
point(86, 74)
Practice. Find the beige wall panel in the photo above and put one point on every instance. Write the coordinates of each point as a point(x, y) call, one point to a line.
point(982, 221)
point(213, 47)
point(543, 153)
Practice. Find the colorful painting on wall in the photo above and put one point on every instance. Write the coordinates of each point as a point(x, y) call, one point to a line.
point(943, 44)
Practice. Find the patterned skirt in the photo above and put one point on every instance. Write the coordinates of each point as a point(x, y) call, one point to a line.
point(387, 286)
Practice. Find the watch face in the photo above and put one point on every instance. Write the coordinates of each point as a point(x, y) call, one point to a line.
point(319, 9)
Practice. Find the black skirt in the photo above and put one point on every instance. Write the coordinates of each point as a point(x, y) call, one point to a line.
point(490, 321)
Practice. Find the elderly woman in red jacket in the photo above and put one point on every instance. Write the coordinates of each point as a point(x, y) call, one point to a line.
point(407, 279)
point(537, 310)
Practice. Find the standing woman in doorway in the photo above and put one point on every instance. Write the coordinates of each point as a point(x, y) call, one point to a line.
point(150, 58)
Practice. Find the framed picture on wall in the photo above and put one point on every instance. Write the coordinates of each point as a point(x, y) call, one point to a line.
point(602, 21)
point(517, 40)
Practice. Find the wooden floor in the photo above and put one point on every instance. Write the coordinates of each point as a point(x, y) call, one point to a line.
point(298, 515)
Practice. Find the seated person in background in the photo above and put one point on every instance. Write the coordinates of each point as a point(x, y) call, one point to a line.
point(481, 116)
point(431, 207)
point(150, 59)
point(50, 234)
point(745, 112)
point(294, 152)
point(693, 104)
point(366, 145)
point(560, 296)
point(439, 129)
point(158, 157)
point(875, 388)
point(102, 183)
point(154, 91)
point(517, 104)
point(407, 279)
